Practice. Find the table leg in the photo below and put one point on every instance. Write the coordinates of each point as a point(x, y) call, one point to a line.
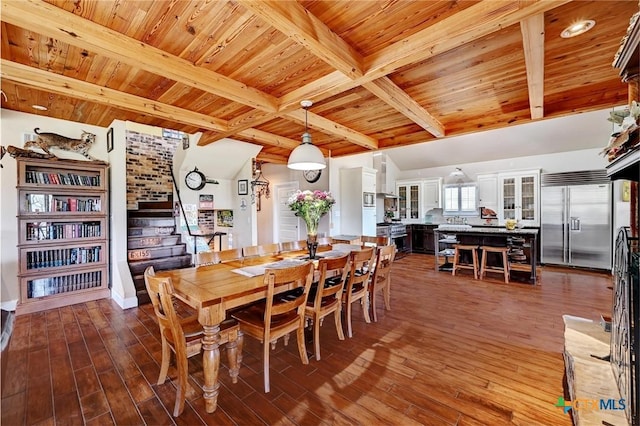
point(211, 366)
point(533, 242)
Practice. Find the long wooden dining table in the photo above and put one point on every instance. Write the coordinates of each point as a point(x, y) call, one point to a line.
point(213, 290)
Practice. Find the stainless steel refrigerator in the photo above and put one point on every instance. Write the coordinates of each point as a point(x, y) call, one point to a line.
point(576, 219)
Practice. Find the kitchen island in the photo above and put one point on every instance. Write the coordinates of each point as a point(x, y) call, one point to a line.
point(523, 242)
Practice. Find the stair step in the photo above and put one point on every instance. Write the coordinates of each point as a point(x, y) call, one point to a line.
point(151, 231)
point(143, 213)
point(157, 252)
point(151, 221)
point(175, 262)
point(168, 205)
point(153, 241)
point(143, 297)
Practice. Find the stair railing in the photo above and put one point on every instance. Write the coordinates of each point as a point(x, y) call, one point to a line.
point(194, 236)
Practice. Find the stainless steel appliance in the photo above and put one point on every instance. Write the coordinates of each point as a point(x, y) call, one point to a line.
point(576, 219)
point(397, 232)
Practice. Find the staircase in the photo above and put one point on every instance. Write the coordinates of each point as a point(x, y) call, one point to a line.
point(152, 241)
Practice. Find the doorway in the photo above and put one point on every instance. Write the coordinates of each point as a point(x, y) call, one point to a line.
point(286, 223)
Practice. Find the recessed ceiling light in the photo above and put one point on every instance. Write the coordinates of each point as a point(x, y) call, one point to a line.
point(578, 28)
point(39, 107)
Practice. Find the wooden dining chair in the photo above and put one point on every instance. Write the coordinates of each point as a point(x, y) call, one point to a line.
point(183, 336)
point(277, 317)
point(361, 263)
point(261, 250)
point(325, 296)
point(205, 258)
point(370, 241)
point(293, 245)
point(380, 281)
point(230, 255)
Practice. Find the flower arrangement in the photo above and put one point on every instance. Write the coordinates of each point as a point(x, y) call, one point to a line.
point(311, 206)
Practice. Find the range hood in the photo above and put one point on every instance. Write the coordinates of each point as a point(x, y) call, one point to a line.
point(385, 189)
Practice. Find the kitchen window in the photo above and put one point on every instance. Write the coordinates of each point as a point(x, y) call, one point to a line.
point(460, 200)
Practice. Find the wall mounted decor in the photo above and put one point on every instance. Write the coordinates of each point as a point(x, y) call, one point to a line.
point(243, 187)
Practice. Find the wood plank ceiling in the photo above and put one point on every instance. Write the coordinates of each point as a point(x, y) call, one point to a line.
point(380, 73)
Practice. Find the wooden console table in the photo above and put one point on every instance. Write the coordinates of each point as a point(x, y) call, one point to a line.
point(590, 378)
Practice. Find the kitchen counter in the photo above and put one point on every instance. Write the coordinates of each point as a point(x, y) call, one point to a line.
point(489, 236)
point(496, 230)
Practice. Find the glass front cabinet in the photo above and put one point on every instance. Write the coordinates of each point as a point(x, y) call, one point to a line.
point(520, 197)
point(408, 201)
point(63, 242)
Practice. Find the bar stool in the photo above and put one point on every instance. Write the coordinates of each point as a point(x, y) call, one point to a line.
point(504, 251)
point(456, 258)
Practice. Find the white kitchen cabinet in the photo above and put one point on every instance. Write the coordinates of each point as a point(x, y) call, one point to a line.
point(355, 218)
point(488, 191)
point(431, 195)
point(368, 180)
point(519, 197)
point(409, 197)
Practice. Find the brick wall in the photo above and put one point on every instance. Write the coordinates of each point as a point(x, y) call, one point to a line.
point(149, 160)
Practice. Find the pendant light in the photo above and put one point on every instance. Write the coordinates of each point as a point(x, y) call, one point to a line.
point(306, 156)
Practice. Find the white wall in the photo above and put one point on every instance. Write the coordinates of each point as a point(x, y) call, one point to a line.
point(278, 174)
point(225, 161)
point(588, 159)
point(123, 290)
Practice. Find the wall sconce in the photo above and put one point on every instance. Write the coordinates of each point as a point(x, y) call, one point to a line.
point(259, 184)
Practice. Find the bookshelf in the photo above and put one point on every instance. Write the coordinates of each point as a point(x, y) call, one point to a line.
point(63, 240)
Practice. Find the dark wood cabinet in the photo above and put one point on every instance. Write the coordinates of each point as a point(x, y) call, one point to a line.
point(422, 239)
point(417, 238)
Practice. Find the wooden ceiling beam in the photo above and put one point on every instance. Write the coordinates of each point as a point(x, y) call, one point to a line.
point(33, 77)
point(297, 23)
point(29, 76)
point(318, 90)
point(533, 42)
point(58, 23)
point(77, 31)
point(274, 140)
point(392, 95)
point(272, 158)
point(474, 22)
point(318, 122)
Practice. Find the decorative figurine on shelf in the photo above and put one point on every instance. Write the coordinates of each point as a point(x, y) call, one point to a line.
point(45, 141)
point(311, 206)
point(620, 142)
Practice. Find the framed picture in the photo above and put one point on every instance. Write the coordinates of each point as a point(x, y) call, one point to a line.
point(224, 218)
point(206, 202)
point(110, 139)
point(185, 141)
point(243, 187)
point(486, 213)
point(626, 190)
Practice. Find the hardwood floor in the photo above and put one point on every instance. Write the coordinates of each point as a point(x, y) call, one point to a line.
point(452, 351)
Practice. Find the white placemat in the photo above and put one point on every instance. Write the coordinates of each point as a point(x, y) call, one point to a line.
point(254, 271)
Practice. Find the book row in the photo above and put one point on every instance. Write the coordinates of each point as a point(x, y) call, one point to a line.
point(62, 257)
point(61, 179)
point(55, 285)
point(49, 203)
point(45, 231)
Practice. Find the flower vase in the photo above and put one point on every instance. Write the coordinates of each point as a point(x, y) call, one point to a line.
point(312, 245)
